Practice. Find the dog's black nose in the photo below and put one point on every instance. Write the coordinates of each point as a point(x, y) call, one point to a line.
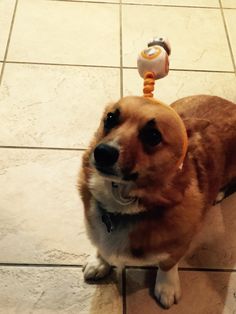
point(105, 155)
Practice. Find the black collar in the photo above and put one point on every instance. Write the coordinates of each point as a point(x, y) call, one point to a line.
point(113, 221)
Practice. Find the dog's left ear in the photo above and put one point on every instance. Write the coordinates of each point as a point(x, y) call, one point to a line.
point(194, 125)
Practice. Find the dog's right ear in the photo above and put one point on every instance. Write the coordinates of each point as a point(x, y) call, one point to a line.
point(194, 125)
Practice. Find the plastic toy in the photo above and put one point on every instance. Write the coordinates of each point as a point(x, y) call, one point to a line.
point(153, 63)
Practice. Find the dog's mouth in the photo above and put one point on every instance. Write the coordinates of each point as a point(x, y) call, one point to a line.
point(120, 185)
point(133, 176)
point(106, 171)
point(116, 175)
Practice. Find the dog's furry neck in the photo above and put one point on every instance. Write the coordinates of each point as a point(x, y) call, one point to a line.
point(168, 194)
point(113, 221)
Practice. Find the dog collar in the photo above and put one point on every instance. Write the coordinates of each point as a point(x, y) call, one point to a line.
point(113, 221)
point(110, 220)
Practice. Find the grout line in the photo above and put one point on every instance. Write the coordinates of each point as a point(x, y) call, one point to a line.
point(64, 64)
point(227, 36)
point(8, 41)
point(140, 4)
point(40, 265)
point(170, 6)
point(144, 4)
point(42, 148)
point(186, 70)
point(217, 270)
point(93, 2)
point(197, 269)
point(124, 290)
point(185, 269)
point(110, 66)
point(121, 52)
point(1, 71)
point(202, 70)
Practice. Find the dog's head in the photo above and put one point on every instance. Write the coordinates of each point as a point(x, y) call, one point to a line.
point(139, 140)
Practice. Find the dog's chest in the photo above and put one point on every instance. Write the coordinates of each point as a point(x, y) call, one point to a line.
point(114, 245)
point(109, 244)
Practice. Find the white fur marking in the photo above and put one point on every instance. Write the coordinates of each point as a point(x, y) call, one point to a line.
point(96, 268)
point(101, 190)
point(167, 287)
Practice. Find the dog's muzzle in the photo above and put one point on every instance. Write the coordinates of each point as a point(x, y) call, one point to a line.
point(105, 160)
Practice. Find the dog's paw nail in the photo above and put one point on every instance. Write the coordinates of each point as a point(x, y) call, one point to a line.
point(96, 269)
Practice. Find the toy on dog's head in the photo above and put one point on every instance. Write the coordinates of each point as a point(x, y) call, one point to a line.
point(153, 63)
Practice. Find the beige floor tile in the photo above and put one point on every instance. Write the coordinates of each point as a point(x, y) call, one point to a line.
point(183, 83)
point(230, 16)
point(203, 293)
point(203, 43)
point(195, 3)
point(73, 34)
point(41, 217)
point(113, 1)
point(56, 290)
point(54, 105)
point(6, 14)
point(215, 246)
point(228, 3)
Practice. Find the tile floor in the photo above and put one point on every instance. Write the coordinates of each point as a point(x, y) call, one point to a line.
point(60, 62)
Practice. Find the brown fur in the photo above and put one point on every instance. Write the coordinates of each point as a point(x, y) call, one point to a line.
point(176, 200)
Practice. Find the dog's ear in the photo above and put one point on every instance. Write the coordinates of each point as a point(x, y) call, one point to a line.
point(194, 125)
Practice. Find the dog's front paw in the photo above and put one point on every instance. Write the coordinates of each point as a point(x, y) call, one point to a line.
point(167, 294)
point(167, 288)
point(96, 268)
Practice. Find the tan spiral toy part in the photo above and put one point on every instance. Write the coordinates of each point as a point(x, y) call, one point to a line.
point(148, 84)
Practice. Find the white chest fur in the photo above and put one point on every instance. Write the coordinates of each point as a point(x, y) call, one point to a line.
point(113, 246)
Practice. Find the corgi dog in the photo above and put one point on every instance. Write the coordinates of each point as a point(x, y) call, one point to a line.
point(149, 176)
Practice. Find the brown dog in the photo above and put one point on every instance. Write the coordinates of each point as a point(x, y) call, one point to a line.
point(148, 178)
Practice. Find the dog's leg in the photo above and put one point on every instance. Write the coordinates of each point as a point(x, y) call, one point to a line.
point(167, 287)
point(96, 268)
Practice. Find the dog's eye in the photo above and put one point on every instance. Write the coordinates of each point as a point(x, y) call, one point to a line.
point(112, 119)
point(150, 135)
